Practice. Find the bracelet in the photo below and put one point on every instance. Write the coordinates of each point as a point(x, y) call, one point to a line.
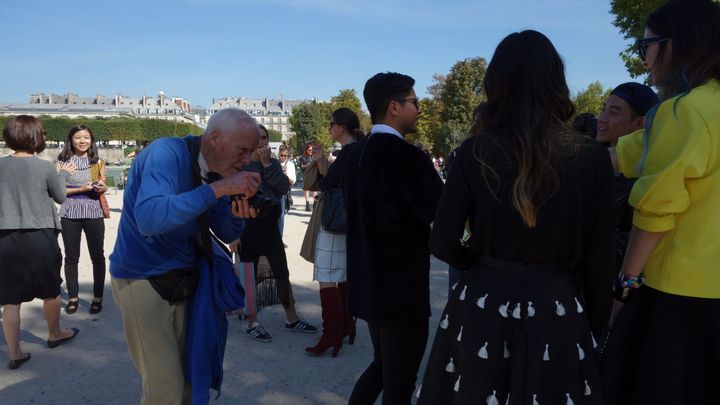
point(622, 294)
point(630, 281)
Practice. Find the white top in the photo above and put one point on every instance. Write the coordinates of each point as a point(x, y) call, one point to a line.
point(289, 169)
point(387, 129)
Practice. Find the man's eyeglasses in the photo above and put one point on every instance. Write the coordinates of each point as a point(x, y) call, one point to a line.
point(284, 155)
point(332, 124)
point(411, 100)
point(642, 44)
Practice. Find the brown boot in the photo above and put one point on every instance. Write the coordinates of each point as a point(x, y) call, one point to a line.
point(332, 323)
point(348, 320)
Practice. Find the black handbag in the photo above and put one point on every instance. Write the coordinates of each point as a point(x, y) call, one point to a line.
point(176, 285)
point(334, 213)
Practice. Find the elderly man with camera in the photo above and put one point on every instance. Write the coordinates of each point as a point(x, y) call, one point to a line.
point(169, 199)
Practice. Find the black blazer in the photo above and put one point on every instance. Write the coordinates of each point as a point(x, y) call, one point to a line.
point(392, 191)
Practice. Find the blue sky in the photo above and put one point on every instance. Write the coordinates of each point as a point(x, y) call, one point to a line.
point(205, 49)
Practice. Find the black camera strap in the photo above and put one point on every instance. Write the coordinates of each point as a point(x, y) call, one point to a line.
point(203, 237)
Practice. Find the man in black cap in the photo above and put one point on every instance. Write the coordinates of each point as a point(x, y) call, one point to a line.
point(623, 113)
point(391, 191)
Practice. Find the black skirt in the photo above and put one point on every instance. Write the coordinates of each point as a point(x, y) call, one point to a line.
point(261, 243)
point(513, 334)
point(30, 262)
point(663, 349)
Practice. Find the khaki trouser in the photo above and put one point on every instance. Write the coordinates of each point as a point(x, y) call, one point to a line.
point(155, 334)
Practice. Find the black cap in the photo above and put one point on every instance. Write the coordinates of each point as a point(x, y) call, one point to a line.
point(640, 97)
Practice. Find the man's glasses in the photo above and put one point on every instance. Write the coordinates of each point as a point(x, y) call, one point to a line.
point(284, 155)
point(642, 44)
point(410, 100)
point(332, 124)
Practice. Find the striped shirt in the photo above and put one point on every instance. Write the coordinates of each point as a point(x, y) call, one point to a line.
point(84, 205)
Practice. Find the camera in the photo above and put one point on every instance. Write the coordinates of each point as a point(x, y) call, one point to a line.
point(259, 201)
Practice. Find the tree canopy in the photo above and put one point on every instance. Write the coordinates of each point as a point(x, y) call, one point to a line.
point(591, 99)
point(448, 112)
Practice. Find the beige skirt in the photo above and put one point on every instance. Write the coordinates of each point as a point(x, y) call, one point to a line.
point(330, 258)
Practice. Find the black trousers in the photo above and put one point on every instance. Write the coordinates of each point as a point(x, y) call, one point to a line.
point(398, 348)
point(95, 236)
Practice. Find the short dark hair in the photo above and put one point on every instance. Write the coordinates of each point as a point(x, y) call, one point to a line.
point(68, 150)
point(267, 134)
point(25, 133)
point(383, 88)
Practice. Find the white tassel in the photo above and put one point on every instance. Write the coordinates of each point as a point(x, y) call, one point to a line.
point(569, 401)
point(507, 401)
point(483, 353)
point(445, 322)
point(457, 384)
point(531, 309)
point(481, 301)
point(560, 309)
point(450, 368)
point(594, 342)
point(459, 338)
point(417, 393)
point(506, 353)
point(516, 311)
point(546, 355)
point(581, 352)
point(492, 399)
point(462, 294)
point(579, 307)
point(587, 389)
point(535, 402)
point(455, 285)
point(503, 309)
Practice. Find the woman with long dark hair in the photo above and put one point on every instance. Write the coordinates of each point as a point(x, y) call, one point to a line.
point(665, 344)
point(81, 212)
point(30, 257)
point(330, 268)
point(538, 269)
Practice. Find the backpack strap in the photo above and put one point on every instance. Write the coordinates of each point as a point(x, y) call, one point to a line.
point(203, 237)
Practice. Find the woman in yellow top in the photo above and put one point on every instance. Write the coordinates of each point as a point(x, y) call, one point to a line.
point(665, 345)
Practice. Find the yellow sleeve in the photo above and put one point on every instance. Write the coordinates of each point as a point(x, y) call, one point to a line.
point(629, 150)
point(679, 150)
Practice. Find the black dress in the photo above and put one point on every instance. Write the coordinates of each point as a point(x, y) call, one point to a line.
point(517, 326)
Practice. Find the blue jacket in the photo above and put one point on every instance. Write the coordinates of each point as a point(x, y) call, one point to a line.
point(159, 224)
point(219, 292)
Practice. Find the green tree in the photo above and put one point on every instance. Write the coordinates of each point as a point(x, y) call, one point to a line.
point(274, 135)
point(458, 93)
point(630, 16)
point(591, 99)
point(309, 121)
point(428, 125)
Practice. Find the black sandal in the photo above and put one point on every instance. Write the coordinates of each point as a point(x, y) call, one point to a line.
point(72, 306)
point(95, 307)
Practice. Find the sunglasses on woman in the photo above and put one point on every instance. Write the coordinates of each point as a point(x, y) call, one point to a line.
point(642, 44)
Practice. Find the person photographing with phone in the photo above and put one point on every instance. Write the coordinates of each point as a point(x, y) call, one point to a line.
point(82, 212)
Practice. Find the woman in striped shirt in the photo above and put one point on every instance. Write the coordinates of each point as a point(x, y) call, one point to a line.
point(80, 212)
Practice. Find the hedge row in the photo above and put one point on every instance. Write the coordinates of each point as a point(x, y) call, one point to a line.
point(115, 129)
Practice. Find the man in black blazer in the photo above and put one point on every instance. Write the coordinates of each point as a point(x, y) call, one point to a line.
point(392, 191)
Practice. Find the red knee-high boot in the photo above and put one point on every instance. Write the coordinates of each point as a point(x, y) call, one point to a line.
point(348, 320)
point(332, 323)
